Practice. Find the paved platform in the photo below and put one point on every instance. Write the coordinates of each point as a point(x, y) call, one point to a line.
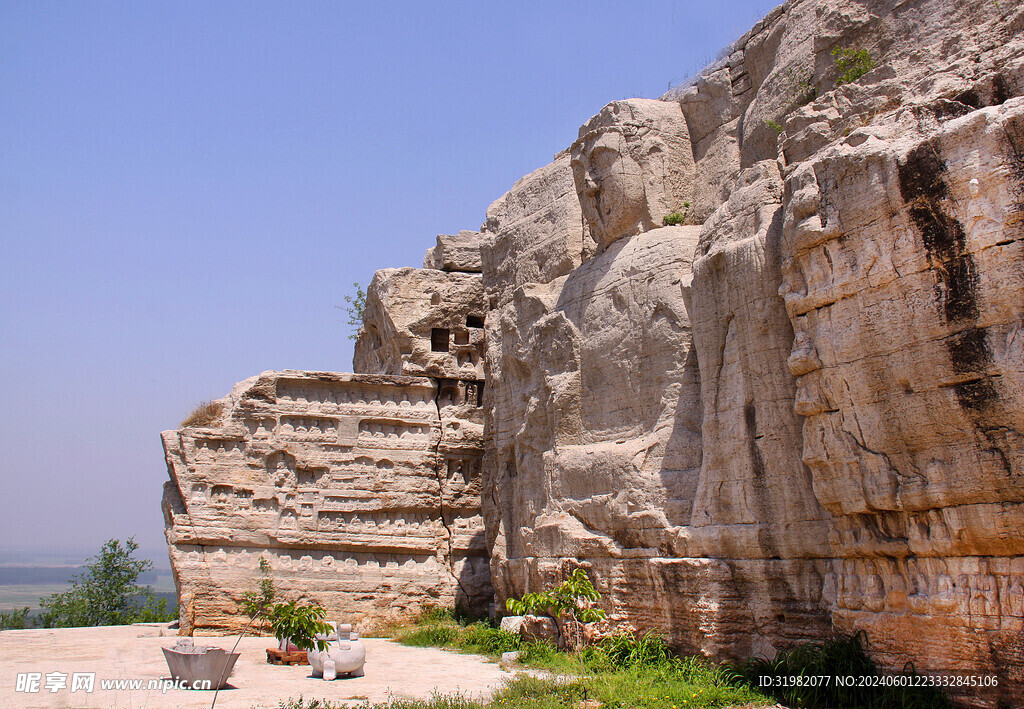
point(133, 653)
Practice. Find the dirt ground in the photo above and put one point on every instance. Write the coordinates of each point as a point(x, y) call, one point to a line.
point(133, 653)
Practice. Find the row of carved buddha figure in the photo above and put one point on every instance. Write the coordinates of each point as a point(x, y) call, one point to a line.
point(329, 398)
point(307, 560)
point(975, 587)
point(319, 429)
point(379, 521)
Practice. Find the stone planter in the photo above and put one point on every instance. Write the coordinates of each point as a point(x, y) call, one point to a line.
point(194, 666)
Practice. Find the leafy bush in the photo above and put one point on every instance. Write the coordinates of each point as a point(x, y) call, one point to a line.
point(355, 309)
point(852, 64)
point(774, 125)
point(572, 599)
point(843, 655)
point(676, 218)
point(801, 85)
point(260, 603)
point(203, 415)
point(107, 593)
point(299, 624)
point(13, 620)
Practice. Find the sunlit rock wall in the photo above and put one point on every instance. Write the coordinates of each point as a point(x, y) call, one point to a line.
point(343, 483)
point(800, 412)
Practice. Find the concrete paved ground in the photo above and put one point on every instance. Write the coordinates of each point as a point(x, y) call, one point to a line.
point(133, 652)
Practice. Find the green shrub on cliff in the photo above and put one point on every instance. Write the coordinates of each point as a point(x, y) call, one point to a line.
point(852, 64)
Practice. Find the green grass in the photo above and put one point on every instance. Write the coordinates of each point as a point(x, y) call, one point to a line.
point(642, 673)
point(619, 671)
point(440, 628)
point(663, 687)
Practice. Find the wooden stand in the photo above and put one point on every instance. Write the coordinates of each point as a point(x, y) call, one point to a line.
point(279, 657)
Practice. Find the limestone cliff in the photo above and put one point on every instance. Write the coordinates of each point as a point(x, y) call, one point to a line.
point(803, 413)
point(362, 491)
point(800, 411)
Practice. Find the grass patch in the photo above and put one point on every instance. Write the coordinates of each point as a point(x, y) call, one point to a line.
point(663, 687)
point(642, 672)
point(203, 415)
point(441, 628)
point(619, 671)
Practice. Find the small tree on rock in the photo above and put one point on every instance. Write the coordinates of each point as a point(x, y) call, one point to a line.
point(355, 309)
point(569, 604)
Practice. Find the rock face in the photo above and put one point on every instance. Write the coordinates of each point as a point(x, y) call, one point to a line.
point(799, 412)
point(906, 293)
point(600, 372)
point(345, 484)
point(423, 322)
point(804, 414)
point(362, 491)
point(455, 252)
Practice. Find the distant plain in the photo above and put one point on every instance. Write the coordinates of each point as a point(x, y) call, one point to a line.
point(26, 576)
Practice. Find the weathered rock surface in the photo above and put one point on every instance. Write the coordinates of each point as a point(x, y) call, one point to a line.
point(800, 412)
point(422, 322)
point(356, 489)
point(455, 252)
point(534, 233)
point(825, 433)
point(362, 491)
point(904, 248)
point(755, 498)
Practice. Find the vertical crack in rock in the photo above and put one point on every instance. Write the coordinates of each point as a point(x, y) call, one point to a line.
point(440, 475)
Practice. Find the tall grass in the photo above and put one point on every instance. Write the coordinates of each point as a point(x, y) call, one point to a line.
point(841, 656)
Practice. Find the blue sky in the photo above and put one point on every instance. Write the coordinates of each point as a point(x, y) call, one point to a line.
point(189, 189)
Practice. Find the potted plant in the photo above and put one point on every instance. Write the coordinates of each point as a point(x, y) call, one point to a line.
point(298, 625)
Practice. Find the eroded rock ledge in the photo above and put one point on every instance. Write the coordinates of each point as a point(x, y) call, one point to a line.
point(362, 491)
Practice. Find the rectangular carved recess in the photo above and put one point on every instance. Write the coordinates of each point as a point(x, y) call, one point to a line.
point(439, 339)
